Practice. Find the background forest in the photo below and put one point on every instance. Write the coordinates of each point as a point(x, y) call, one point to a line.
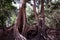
point(8, 12)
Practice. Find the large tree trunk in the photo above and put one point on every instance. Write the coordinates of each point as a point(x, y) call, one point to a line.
point(20, 22)
point(43, 26)
point(42, 13)
point(24, 18)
